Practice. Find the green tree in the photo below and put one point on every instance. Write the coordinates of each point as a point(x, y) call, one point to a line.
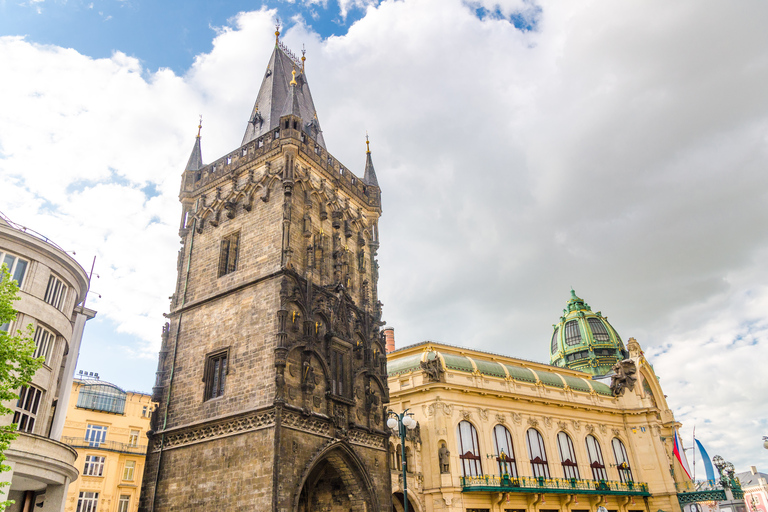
point(17, 366)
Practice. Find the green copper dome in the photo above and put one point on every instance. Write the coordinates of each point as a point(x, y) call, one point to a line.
point(584, 340)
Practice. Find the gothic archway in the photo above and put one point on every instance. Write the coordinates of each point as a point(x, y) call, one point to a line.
point(336, 482)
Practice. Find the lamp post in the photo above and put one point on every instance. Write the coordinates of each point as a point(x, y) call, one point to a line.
point(402, 422)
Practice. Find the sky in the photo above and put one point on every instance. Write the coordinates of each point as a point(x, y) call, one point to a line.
point(522, 147)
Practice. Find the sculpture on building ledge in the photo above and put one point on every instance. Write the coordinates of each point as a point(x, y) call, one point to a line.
point(445, 459)
point(624, 376)
point(433, 369)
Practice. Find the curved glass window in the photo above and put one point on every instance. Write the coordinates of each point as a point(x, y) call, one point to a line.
point(102, 397)
point(572, 333)
point(599, 330)
point(469, 447)
point(622, 460)
point(554, 340)
point(596, 459)
point(503, 443)
point(537, 453)
point(567, 455)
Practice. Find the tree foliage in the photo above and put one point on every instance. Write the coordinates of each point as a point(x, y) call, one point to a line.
point(17, 366)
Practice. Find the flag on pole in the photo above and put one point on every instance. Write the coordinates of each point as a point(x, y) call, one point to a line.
point(680, 454)
point(707, 462)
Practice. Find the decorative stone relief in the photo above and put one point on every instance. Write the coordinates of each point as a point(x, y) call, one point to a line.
point(466, 415)
point(483, 414)
point(517, 418)
point(603, 428)
point(615, 432)
point(562, 425)
point(533, 422)
point(547, 421)
point(439, 406)
point(500, 418)
point(589, 428)
point(222, 428)
point(576, 425)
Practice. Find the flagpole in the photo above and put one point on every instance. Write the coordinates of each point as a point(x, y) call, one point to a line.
point(694, 455)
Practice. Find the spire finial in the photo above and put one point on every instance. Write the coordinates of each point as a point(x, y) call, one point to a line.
point(303, 57)
point(293, 77)
point(277, 31)
point(200, 126)
point(367, 143)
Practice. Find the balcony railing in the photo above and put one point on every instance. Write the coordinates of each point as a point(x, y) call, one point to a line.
point(708, 490)
point(110, 446)
point(552, 485)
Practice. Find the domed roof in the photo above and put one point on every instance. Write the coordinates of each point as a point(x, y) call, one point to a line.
point(584, 340)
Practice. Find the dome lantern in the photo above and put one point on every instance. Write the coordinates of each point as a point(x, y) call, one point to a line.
point(584, 340)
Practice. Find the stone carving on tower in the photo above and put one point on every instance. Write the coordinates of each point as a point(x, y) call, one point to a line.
point(271, 377)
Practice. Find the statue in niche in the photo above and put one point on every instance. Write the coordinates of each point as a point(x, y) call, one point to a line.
point(445, 459)
point(370, 397)
point(624, 378)
point(433, 369)
point(307, 374)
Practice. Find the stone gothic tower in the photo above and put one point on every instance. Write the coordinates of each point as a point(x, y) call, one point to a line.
point(271, 378)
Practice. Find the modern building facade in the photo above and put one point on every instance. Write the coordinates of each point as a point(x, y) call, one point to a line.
point(52, 289)
point(108, 428)
point(500, 434)
point(272, 373)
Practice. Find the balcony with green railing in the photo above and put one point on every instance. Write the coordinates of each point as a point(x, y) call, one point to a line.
point(528, 484)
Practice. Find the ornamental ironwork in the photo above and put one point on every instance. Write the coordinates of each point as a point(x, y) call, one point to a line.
point(525, 484)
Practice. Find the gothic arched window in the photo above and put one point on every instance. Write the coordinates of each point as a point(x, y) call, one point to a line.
point(503, 443)
point(469, 449)
point(567, 455)
point(622, 460)
point(537, 453)
point(596, 459)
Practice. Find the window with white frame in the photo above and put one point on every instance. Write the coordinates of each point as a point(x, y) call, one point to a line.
point(567, 455)
point(503, 443)
point(596, 459)
point(622, 460)
point(17, 267)
point(43, 342)
point(94, 465)
point(469, 447)
point(133, 439)
point(95, 435)
point(123, 503)
point(26, 408)
point(56, 292)
point(128, 470)
point(537, 453)
point(87, 502)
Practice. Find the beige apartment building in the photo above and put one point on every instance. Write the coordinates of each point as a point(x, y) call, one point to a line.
point(108, 428)
point(52, 291)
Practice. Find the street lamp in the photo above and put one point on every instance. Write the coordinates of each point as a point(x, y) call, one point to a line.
point(403, 423)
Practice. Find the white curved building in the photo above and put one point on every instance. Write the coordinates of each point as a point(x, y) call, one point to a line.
point(52, 288)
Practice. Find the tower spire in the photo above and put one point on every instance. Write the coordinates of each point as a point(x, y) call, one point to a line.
point(369, 178)
point(195, 162)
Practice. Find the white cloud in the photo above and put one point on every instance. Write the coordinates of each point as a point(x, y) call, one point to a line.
point(618, 148)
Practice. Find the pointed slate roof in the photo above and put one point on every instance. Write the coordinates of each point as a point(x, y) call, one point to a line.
point(274, 94)
point(195, 162)
point(369, 178)
point(292, 106)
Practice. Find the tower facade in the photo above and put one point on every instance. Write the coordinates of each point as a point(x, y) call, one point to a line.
point(271, 378)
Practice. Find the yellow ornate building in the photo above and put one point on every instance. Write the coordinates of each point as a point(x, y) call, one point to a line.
point(108, 428)
point(499, 434)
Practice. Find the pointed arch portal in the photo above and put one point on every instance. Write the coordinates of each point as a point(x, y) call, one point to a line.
point(337, 482)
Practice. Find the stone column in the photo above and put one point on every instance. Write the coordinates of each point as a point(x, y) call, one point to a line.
point(55, 497)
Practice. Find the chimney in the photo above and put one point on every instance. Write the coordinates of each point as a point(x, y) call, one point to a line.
point(389, 337)
point(753, 469)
